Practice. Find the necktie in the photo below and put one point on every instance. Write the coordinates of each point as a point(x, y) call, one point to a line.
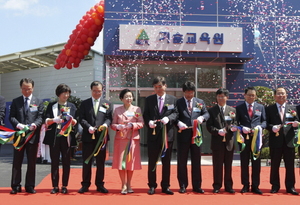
point(189, 106)
point(281, 112)
point(160, 104)
point(250, 111)
point(95, 106)
point(222, 111)
point(26, 105)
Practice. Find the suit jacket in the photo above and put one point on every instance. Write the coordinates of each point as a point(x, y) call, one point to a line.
point(186, 117)
point(286, 133)
point(88, 118)
point(51, 112)
point(2, 110)
point(151, 112)
point(216, 122)
point(243, 119)
point(134, 116)
point(17, 115)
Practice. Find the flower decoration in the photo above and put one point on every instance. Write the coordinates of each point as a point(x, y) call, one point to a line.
point(64, 109)
point(32, 105)
point(232, 114)
point(137, 114)
point(199, 105)
point(293, 113)
point(105, 105)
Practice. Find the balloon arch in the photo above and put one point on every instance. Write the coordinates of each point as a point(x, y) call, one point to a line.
point(82, 38)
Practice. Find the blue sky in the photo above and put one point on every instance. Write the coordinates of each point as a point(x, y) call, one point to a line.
point(30, 24)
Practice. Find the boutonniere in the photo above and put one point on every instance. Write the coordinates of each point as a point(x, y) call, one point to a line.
point(199, 105)
point(136, 114)
point(32, 105)
point(293, 113)
point(232, 114)
point(105, 105)
point(64, 109)
point(166, 105)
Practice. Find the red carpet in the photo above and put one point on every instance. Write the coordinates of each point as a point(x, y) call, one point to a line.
point(139, 185)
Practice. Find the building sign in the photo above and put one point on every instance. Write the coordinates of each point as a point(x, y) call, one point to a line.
point(181, 38)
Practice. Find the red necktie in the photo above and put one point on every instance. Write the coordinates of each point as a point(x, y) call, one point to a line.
point(250, 111)
point(189, 106)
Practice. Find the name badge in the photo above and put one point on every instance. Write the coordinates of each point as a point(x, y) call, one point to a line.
point(129, 113)
point(257, 112)
point(102, 109)
point(196, 109)
point(170, 107)
point(227, 118)
point(33, 109)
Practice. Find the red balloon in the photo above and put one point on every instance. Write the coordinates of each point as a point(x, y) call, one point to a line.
point(69, 65)
point(87, 46)
point(85, 52)
point(74, 47)
point(76, 65)
point(74, 54)
point(83, 37)
point(80, 48)
point(77, 61)
point(80, 55)
point(90, 40)
point(71, 59)
point(57, 66)
point(78, 41)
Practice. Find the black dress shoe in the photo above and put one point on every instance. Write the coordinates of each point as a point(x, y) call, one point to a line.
point(198, 190)
point(182, 190)
point(274, 191)
point(216, 191)
point(292, 191)
point(167, 191)
point(64, 190)
point(151, 191)
point(30, 190)
point(54, 190)
point(245, 189)
point(102, 189)
point(256, 191)
point(231, 191)
point(83, 189)
point(13, 191)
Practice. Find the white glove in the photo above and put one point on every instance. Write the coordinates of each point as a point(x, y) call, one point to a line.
point(120, 127)
point(246, 130)
point(129, 126)
point(200, 119)
point(276, 128)
point(181, 125)
point(57, 120)
point(152, 124)
point(21, 126)
point(91, 130)
point(222, 132)
point(165, 120)
point(32, 127)
point(233, 129)
point(105, 125)
point(295, 124)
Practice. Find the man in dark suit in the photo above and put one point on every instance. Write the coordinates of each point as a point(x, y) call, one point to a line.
point(249, 115)
point(160, 110)
point(94, 112)
point(219, 124)
point(189, 110)
point(2, 111)
point(281, 140)
point(26, 111)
